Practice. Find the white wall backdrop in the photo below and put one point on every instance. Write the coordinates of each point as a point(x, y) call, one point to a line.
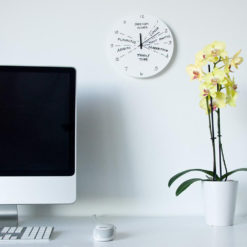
point(133, 135)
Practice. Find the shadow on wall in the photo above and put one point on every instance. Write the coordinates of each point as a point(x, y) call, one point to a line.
point(104, 166)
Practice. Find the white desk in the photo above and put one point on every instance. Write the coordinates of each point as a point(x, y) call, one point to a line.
point(143, 232)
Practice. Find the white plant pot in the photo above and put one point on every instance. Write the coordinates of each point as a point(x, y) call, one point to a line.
point(219, 202)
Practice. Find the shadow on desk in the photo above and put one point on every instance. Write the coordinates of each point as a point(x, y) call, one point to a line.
point(240, 221)
point(55, 234)
point(122, 235)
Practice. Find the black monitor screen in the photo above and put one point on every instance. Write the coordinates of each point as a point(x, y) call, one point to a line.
point(37, 121)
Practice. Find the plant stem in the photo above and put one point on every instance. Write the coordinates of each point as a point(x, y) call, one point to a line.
point(217, 62)
point(219, 138)
point(223, 160)
point(213, 138)
point(212, 134)
point(219, 134)
point(209, 119)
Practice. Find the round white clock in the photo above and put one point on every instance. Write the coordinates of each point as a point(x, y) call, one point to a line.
point(141, 46)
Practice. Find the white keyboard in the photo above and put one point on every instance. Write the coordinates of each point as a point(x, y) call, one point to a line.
point(27, 233)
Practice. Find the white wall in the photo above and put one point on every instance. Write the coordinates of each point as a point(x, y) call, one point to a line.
point(133, 135)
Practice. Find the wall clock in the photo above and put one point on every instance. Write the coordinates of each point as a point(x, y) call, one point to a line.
point(141, 46)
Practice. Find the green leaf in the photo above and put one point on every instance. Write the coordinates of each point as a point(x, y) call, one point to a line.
point(183, 186)
point(174, 178)
point(230, 173)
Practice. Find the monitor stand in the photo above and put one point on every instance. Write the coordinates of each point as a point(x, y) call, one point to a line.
point(8, 215)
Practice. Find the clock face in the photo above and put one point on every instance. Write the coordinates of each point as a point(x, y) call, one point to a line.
point(141, 46)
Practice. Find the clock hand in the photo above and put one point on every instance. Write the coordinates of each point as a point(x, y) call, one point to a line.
point(159, 35)
point(141, 43)
point(153, 29)
point(149, 38)
point(140, 40)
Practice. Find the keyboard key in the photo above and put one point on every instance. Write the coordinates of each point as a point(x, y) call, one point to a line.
point(7, 236)
point(12, 229)
point(47, 232)
point(18, 229)
point(26, 232)
point(5, 230)
point(13, 237)
point(33, 234)
point(41, 232)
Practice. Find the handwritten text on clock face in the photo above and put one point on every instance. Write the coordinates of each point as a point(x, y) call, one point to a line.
point(141, 46)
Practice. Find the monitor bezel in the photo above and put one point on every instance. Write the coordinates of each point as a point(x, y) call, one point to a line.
point(72, 138)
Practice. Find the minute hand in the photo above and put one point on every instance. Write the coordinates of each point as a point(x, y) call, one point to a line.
point(149, 38)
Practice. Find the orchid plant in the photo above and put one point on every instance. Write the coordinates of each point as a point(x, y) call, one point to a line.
point(214, 70)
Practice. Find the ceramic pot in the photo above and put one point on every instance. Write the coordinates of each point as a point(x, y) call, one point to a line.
point(219, 202)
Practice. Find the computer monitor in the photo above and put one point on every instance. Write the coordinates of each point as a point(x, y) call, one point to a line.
point(37, 135)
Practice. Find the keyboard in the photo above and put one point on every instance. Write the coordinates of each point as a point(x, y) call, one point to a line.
point(25, 234)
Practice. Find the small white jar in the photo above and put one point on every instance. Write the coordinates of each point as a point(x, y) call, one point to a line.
point(104, 232)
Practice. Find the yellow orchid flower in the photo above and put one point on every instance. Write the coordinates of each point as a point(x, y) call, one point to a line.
point(203, 105)
point(215, 77)
point(207, 89)
point(195, 72)
point(215, 50)
point(230, 81)
point(220, 100)
point(201, 58)
point(216, 85)
point(236, 60)
point(227, 65)
point(231, 95)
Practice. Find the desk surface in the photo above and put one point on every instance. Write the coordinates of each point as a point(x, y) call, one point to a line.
point(143, 232)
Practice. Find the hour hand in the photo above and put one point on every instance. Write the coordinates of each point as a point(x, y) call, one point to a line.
point(140, 40)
